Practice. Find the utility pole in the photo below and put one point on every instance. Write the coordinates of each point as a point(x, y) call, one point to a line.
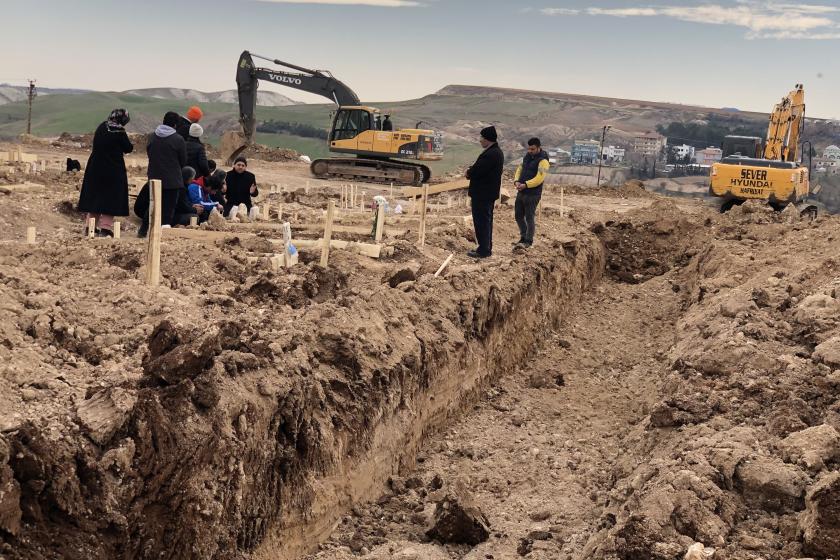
point(32, 95)
point(601, 154)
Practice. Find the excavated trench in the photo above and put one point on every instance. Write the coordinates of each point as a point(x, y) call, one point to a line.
point(235, 444)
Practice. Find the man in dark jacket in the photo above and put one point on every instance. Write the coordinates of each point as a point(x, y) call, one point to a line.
point(528, 181)
point(194, 114)
point(167, 156)
point(196, 153)
point(485, 177)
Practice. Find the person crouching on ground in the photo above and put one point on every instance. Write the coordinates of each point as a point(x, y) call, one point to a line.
point(241, 185)
point(184, 211)
point(105, 186)
point(528, 181)
point(202, 196)
point(485, 177)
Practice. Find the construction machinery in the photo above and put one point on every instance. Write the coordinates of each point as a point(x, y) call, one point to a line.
point(772, 170)
point(368, 150)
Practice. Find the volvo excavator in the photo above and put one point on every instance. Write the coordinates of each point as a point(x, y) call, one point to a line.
point(368, 150)
point(771, 170)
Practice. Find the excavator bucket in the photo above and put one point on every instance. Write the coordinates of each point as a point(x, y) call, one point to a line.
point(233, 143)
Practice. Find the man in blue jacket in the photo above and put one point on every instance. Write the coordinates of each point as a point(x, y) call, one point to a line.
point(528, 180)
point(485, 177)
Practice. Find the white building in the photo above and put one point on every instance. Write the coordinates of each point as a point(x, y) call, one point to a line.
point(613, 154)
point(680, 152)
point(559, 156)
point(832, 152)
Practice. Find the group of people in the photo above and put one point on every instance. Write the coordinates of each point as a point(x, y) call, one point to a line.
point(191, 185)
point(485, 176)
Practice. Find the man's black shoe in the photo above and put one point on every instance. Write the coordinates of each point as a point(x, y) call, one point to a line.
point(477, 255)
point(520, 242)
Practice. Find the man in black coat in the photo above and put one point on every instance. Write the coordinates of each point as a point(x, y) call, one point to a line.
point(167, 156)
point(196, 152)
point(485, 177)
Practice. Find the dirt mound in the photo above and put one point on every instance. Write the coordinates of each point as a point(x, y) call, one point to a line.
point(648, 243)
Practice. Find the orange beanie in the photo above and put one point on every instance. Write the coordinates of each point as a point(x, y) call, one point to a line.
point(194, 114)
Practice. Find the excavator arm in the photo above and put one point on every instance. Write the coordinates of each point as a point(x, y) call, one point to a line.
point(786, 125)
point(248, 76)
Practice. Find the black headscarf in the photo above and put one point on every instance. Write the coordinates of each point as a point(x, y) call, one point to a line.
point(118, 118)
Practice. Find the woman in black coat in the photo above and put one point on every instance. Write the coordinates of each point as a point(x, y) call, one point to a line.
point(105, 186)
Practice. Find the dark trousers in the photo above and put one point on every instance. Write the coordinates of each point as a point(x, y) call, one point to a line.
point(167, 209)
point(525, 211)
point(482, 213)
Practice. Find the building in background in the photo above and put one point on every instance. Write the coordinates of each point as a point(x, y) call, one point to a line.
point(613, 154)
point(708, 156)
point(683, 153)
point(586, 152)
point(649, 145)
point(559, 156)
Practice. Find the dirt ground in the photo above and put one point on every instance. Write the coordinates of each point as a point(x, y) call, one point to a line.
point(650, 375)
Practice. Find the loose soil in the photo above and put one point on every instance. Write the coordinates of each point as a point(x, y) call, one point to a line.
point(650, 375)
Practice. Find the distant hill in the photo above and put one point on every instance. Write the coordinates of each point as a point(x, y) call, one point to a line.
point(13, 94)
point(458, 111)
point(264, 98)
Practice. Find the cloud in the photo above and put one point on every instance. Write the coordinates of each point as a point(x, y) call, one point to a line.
point(380, 3)
point(762, 19)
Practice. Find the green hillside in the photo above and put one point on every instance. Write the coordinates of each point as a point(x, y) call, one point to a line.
point(80, 114)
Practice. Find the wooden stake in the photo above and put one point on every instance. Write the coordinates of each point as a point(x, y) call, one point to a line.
point(30, 235)
point(193, 221)
point(279, 212)
point(423, 202)
point(362, 201)
point(391, 194)
point(153, 246)
point(307, 187)
point(380, 223)
point(446, 262)
point(562, 202)
point(117, 229)
point(325, 249)
point(91, 229)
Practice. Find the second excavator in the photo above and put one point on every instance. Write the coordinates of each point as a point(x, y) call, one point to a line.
point(368, 148)
point(773, 170)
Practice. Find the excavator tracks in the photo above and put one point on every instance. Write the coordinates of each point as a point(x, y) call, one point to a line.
point(372, 170)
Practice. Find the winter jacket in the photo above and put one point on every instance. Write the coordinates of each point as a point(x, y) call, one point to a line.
point(167, 156)
point(200, 196)
point(183, 127)
point(105, 186)
point(238, 188)
point(532, 172)
point(197, 157)
point(485, 174)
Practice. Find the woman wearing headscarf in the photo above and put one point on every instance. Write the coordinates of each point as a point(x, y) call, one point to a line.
point(105, 186)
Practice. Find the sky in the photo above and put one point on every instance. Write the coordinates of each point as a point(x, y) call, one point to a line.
point(721, 53)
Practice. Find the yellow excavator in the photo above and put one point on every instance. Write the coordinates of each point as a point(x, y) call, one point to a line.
point(773, 171)
point(367, 144)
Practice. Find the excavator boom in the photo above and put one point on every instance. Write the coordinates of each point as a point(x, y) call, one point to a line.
point(785, 129)
point(318, 82)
